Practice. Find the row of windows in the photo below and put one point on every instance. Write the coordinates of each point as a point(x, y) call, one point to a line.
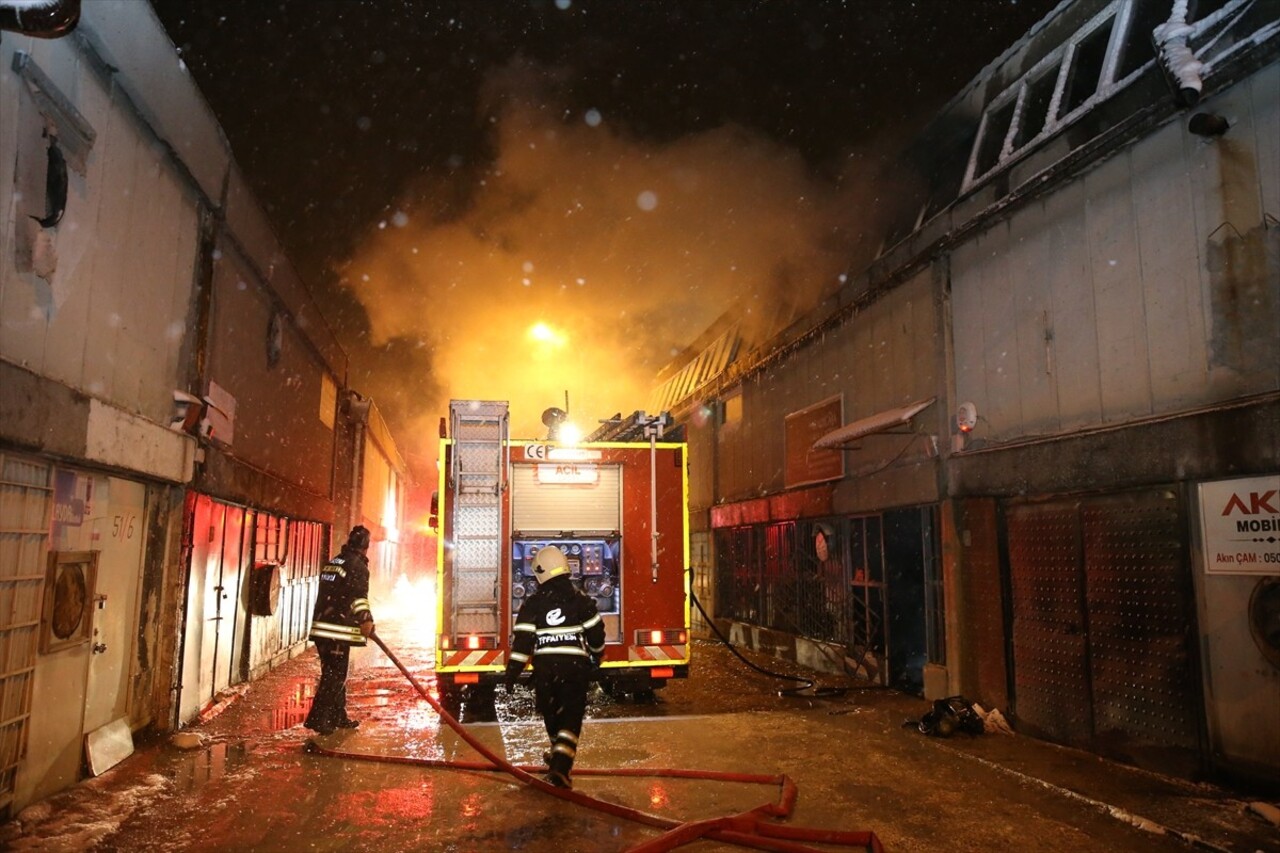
point(1099, 59)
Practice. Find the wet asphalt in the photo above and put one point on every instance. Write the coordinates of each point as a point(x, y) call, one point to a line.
point(252, 784)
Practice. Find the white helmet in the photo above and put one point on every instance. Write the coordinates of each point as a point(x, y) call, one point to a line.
point(548, 563)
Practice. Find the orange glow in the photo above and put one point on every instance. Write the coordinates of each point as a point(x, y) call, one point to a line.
point(411, 604)
point(467, 678)
point(662, 672)
point(569, 433)
point(625, 288)
point(658, 796)
point(544, 334)
point(471, 805)
point(391, 516)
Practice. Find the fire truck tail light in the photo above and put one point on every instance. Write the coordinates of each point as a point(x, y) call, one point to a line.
point(467, 678)
point(468, 641)
point(662, 672)
point(659, 637)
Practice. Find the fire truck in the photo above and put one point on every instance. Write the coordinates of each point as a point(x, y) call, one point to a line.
point(616, 504)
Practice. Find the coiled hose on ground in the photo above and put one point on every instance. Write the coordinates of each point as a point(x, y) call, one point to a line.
point(747, 829)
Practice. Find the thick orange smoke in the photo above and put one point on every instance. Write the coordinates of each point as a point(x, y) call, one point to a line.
point(625, 250)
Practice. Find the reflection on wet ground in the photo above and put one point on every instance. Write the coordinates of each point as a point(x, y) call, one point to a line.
point(251, 786)
point(293, 706)
point(200, 767)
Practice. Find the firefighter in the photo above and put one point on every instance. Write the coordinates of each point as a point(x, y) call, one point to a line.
point(560, 630)
point(341, 619)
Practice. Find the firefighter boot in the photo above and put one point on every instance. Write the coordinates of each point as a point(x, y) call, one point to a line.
point(563, 751)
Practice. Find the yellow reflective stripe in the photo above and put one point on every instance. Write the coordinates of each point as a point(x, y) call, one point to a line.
point(335, 632)
point(525, 626)
point(519, 657)
point(360, 604)
point(565, 734)
point(594, 620)
point(560, 629)
point(597, 649)
point(564, 749)
point(334, 567)
point(560, 650)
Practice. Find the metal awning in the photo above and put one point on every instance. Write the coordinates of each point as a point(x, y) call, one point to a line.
point(878, 422)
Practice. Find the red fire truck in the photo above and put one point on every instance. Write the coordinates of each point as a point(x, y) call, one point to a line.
point(616, 504)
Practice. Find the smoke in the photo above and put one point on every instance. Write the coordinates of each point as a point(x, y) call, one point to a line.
point(625, 250)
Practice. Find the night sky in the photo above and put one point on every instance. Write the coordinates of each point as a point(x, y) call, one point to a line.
point(622, 170)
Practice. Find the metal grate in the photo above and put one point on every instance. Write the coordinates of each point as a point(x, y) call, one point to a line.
point(26, 506)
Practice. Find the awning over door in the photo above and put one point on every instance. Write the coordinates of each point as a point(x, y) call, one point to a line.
point(878, 422)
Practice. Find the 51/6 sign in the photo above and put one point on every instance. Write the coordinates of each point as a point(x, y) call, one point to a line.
point(122, 526)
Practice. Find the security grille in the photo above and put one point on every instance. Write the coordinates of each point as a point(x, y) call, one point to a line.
point(26, 506)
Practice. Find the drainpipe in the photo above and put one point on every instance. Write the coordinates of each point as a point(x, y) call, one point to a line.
point(1176, 56)
point(358, 413)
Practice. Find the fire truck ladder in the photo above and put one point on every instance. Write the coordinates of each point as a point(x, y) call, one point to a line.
point(479, 430)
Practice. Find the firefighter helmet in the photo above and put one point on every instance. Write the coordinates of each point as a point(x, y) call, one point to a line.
point(548, 563)
point(359, 538)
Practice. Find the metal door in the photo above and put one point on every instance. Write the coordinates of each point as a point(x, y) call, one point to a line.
point(211, 653)
point(1102, 622)
point(120, 533)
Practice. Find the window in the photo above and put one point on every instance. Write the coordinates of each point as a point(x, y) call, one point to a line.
point(1082, 72)
point(1084, 66)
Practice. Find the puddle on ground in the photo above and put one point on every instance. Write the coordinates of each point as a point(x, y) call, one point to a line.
point(293, 707)
point(196, 769)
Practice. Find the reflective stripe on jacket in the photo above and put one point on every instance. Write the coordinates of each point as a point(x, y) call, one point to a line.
point(559, 621)
point(342, 599)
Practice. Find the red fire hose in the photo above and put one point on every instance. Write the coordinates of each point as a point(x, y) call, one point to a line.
point(746, 829)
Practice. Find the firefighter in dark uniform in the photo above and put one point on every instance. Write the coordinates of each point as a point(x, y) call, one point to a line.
point(341, 619)
point(560, 630)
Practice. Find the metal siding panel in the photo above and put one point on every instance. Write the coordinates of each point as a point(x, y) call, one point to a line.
point(1114, 271)
point(1073, 313)
point(1264, 87)
point(1051, 676)
point(1029, 256)
point(969, 331)
point(1000, 345)
point(1166, 246)
point(105, 269)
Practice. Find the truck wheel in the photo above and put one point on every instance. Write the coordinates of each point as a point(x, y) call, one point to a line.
point(481, 695)
point(451, 700)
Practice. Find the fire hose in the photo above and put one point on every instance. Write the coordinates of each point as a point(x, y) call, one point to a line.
point(746, 829)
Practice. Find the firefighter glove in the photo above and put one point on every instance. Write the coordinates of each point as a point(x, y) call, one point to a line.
point(366, 628)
